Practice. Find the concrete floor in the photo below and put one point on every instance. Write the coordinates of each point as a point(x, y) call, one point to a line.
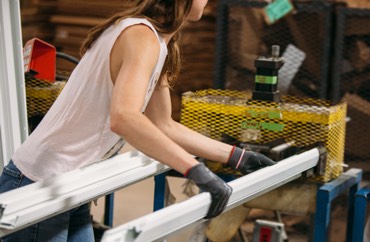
point(137, 200)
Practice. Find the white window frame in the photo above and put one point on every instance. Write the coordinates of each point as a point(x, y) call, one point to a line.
point(13, 113)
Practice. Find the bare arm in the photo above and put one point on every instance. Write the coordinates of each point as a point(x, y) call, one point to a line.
point(159, 111)
point(139, 49)
point(131, 74)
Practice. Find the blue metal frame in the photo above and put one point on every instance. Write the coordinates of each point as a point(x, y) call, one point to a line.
point(361, 199)
point(108, 212)
point(159, 199)
point(348, 181)
point(160, 187)
point(159, 191)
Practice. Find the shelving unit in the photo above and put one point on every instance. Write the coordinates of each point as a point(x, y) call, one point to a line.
point(243, 35)
point(351, 79)
point(351, 57)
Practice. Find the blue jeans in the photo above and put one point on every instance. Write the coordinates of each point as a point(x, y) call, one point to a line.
point(72, 226)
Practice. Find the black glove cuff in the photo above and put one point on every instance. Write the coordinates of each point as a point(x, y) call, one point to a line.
point(235, 156)
point(238, 157)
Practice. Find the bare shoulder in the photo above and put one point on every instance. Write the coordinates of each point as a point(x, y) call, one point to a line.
point(138, 39)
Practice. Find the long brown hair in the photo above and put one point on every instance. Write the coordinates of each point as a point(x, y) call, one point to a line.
point(167, 16)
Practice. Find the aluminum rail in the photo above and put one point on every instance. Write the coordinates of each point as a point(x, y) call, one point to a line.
point(27, 205)
point(13, 114)
point(164, 222)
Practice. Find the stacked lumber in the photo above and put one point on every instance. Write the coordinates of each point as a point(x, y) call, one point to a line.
point(70, 32)
point(35, 19)
point(66, 23)
point(72, 25)
point(355, 3)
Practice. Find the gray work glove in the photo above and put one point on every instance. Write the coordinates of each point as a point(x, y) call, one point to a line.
point(209, 182)
point(248, 161)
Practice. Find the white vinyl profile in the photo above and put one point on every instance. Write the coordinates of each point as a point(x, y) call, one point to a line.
point(13, 114)
point(27, 205)
point(162, 223)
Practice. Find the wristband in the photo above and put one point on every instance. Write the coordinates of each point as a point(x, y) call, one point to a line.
point(240, 159)
point(235, 157)
point(187, 172)
point(231, 153)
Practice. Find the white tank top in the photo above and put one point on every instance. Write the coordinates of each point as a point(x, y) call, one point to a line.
point(76, 130)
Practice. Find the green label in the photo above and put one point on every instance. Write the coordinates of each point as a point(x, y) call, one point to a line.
point(266, 79)
point(278, 9)
point(264, 114)
point(249, 124)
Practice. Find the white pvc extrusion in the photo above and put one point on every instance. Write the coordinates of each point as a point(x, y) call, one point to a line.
point(13, 114)
point(164, 222)
point(36, 202)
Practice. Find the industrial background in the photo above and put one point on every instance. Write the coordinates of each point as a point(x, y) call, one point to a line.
point(326, 45)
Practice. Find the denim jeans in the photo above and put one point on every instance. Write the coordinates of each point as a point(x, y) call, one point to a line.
point(72, 226)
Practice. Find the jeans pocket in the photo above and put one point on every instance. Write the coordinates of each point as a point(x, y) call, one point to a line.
point(12, 178)
point(12, 170)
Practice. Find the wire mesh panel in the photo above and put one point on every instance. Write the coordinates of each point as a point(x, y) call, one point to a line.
point(351, 80)
point(301, 122)
point(303, 35)
point(40, 97)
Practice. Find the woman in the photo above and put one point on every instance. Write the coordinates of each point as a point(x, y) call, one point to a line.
point(120, 90)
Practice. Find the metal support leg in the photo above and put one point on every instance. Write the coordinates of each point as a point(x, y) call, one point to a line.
point(349, 180)
point(108, 214)
point(351, 206)
point(159, 191)
point(361, 199)
point(159, 199)
point(322, 216)
point(160, 187)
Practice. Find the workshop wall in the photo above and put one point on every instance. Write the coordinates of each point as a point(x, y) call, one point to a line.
point(35, 15)
point(66, 28)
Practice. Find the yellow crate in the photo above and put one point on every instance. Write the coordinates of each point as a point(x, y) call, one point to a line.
point(301, 121)
point(41, 95)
